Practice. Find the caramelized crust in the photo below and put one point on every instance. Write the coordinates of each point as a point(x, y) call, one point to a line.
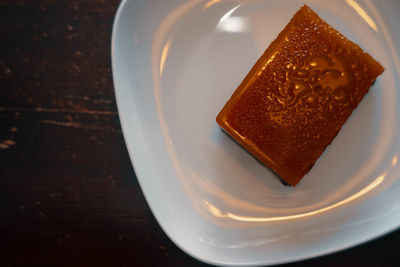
point(297, 96)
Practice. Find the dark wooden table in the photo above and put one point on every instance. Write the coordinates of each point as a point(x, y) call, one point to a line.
point(68, 192)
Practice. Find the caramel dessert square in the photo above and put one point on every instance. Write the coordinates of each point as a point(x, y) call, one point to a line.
point(298, 95)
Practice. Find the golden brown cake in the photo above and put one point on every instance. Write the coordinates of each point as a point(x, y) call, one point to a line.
point(297, 96)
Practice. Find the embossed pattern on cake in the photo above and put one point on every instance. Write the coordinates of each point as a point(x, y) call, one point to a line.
point(297, 96)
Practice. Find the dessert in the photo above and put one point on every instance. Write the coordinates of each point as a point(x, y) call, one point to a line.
point(298, 95)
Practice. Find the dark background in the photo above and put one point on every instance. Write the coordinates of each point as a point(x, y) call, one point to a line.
point(68, 192)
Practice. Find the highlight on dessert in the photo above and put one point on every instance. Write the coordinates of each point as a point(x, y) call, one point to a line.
point(298, 95)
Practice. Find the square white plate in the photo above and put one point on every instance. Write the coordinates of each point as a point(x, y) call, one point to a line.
point(176, 63)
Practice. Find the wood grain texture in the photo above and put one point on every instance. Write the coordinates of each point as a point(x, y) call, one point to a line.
point(68, 192)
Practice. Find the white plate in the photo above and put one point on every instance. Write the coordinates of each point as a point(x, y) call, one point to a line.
point(175, 64)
